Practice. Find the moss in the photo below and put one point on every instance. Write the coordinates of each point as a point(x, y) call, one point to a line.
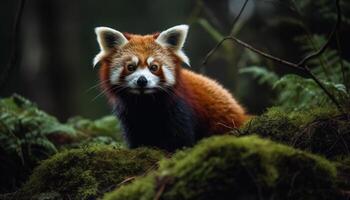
point(87, 173)
point(29, 135)
point(320, 130)
point(142, 189)
point(25, 133)
point(343, 168)
point(240, 168)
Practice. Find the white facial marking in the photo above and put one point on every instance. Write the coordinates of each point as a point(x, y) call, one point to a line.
point(168, 75)
point(150, 60)
point(135, 60)
point(152, 80)
point(115, 75)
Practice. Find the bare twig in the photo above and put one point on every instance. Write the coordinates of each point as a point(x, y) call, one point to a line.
point(301, 66)
point(239, 15)
point(14, 43)
point(161, 184)
point(226, 38)
point(248, 46)
point(331, 35)
point(127, 180)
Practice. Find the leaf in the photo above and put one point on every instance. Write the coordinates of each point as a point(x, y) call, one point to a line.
point(263, 75)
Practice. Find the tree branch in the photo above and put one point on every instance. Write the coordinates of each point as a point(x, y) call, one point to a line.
point(248, 46)
point(228, 37)
point(301, 66)
point(239, 15)
point(326, 44)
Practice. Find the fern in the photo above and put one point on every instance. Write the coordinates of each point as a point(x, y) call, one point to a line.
point(263, 75)
point(23, 139)
point(298, 93)
point(323, 8)
point(29, 135)
point(329, 66)
point(333, 71)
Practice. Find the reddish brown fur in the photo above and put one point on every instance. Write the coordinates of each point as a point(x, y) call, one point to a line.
point(214, 105)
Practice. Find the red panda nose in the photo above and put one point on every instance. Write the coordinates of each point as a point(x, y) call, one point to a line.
point(142, 81)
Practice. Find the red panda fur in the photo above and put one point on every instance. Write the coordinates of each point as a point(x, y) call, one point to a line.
point(213, 105)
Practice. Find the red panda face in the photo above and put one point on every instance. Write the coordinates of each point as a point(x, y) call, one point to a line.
point(141, 64)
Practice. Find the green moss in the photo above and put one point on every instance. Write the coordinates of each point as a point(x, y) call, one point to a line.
point(320, 130)
point(87, 173)
point(25, 139)
point(240, 168)
point(343, 168)
point(29, 135)
point(142, 189)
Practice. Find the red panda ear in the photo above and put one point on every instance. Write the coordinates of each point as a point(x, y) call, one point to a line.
point(174, 38)
point(108, 39)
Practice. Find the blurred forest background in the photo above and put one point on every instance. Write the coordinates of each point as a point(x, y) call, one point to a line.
point(57, 44)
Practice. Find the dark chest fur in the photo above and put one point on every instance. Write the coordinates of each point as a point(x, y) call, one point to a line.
point(162, 121)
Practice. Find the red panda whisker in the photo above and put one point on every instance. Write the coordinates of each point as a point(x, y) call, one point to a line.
point(96, 85)
point(100, 94)
point(169, 89)
point(169, 92)
point(104, 91)
point(163, 89)
point(119, 89)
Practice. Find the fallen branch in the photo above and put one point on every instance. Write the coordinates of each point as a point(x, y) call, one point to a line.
point(301, 65)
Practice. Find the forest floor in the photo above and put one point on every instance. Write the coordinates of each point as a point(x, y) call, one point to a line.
point(277, 155)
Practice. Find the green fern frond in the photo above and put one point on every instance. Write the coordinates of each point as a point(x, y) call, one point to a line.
point(263, 75)
point(298, 93)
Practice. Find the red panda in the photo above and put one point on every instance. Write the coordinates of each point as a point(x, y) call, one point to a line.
point(158, 102)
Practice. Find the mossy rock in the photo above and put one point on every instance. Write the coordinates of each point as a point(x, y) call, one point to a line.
point(321, 131)
point(25, 133)
point(228, 167)
point(29, 135)
point(87, 173)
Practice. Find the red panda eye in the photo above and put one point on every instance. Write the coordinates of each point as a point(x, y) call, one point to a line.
point(153, 68)
point(131, 67)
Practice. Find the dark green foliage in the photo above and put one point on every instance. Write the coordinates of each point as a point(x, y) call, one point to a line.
point(224, 167)
point(101, 131)
point(263, 75)
point(321, 8)
point(343, 168)
point(28, 135)
point(88, 172)
point(24, 139)
point(106, 126)
point(319, 130)
point(296, 92)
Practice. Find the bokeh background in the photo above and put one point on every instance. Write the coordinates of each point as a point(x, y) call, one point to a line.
point(57, 44)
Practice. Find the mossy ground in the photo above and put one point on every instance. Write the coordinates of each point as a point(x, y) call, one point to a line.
point(87, 173)
point(241, 168)
point(321, 130)
point(29, 135)
point(84, 159)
